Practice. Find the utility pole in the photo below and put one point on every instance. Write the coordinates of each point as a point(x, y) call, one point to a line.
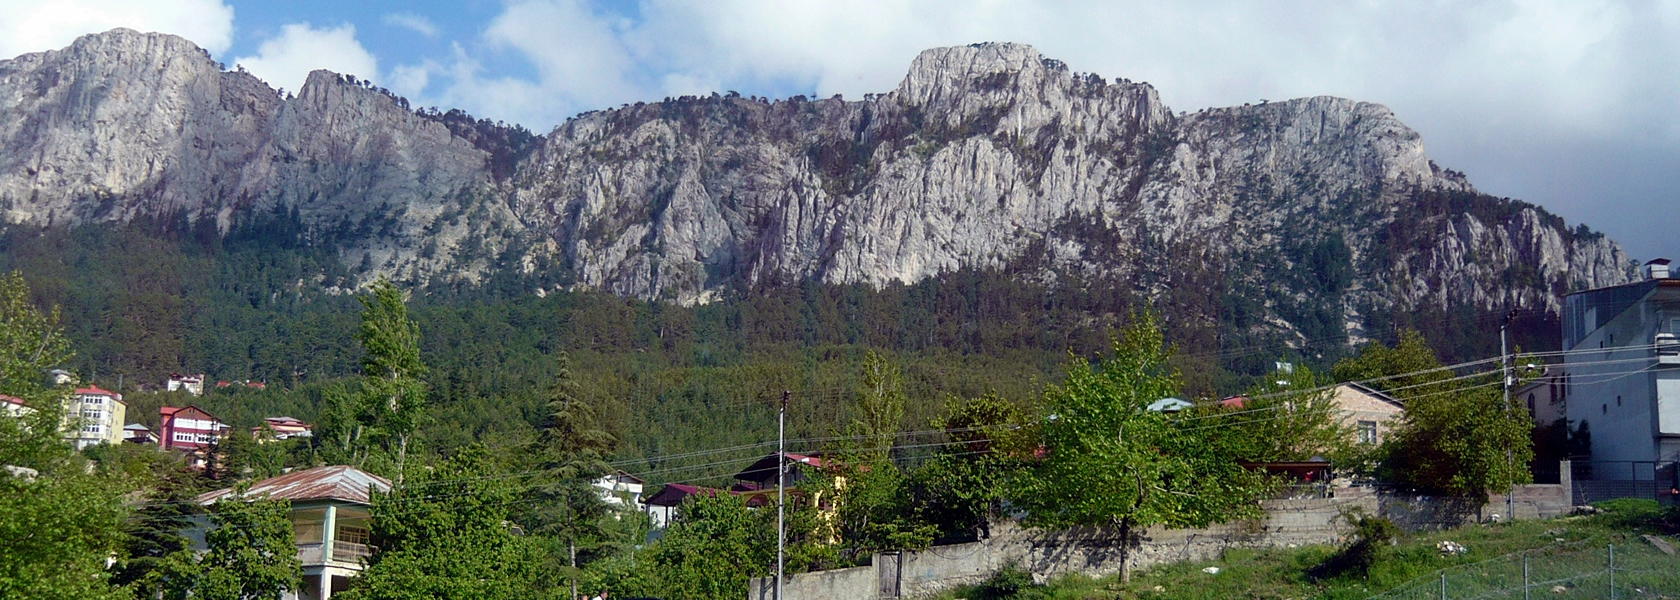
point(781, 491)
point(1505, 373)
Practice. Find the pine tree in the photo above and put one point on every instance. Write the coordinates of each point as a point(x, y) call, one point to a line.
point(573, 447)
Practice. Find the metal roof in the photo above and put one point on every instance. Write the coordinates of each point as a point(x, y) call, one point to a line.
point(342, 483)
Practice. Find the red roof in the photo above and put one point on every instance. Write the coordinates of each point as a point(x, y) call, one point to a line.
point(343, 483)
point(1234, 402)
point(95, 390)
point(170, 411)
point(13, 400)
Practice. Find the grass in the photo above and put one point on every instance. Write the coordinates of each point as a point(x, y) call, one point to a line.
point(1568, 553)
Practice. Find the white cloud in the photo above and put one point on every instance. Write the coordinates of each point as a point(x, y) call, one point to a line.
point(284, 61)
point(51, 24)
point(412, 22)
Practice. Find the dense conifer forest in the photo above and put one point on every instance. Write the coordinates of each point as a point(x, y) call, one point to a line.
point(269, 302)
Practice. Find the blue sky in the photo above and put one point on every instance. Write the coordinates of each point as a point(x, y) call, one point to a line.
point(1566, 103)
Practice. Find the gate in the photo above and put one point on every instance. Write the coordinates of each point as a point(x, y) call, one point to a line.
point(889, 569)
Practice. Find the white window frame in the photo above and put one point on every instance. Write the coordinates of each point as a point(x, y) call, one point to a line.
point(1367, 432)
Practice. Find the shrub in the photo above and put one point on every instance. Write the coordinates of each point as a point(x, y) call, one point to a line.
point(1371, 534)
point(1005, 584)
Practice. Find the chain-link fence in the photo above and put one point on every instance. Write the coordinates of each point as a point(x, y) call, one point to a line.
point(1636, 569)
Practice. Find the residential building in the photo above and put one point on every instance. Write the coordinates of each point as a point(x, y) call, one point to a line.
point(761, 475)
point(135, 433)
point(330, 522)
point(1370, 412)
point(1169, 405)
point(61, 377)
point(1622, 374)
point(191, 384)
point(95, 417)
point(188, 428)
point(662, 506)
point(1544, 397)
point(14, 407)
point(620, 489)
point(282, 428)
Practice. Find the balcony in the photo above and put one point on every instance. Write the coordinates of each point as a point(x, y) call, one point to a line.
point(349, 552)
point(310, 554)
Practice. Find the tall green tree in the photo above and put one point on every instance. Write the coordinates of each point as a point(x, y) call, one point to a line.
point(446, 535)
point(393, 391)
point(1110, 462)
point(252, 552)
point(572, 448)
point(59, 519)
point(714, 548)
point(1457, 436)
point(881, 406)
point(1288, 417)
point(962, 488)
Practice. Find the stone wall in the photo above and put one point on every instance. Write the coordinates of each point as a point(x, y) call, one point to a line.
point(1097, 552)
point(850, 584)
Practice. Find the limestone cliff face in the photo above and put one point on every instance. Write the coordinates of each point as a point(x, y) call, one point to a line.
point(987, 156)
point(125, 124)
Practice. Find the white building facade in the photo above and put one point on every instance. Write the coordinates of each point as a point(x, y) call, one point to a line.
point(1622, 376)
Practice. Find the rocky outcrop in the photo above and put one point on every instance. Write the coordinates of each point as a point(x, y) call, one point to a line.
point(987, 156)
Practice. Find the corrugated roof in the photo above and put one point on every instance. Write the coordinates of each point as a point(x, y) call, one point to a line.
point(342, 483)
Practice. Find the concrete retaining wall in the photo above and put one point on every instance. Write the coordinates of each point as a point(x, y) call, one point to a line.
point(854, 583)
point(1097, 552)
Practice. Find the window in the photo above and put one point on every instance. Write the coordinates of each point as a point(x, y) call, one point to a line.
point(308, 525)
point(1618, 400)
point(1604, 409)
point(93, 399)
point(93, 428)
point(183, 437)
point(1531, 403)
point(92, 414)
point(1367, 432)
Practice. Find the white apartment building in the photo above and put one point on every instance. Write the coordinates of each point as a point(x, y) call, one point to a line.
point(1622, 377)
point(95, 416)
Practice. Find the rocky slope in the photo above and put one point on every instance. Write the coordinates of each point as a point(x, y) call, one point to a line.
point(1317, 210)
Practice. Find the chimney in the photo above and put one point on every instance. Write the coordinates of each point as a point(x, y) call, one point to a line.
point(1657, 268)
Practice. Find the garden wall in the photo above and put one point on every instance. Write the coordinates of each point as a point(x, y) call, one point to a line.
point(1288, 523)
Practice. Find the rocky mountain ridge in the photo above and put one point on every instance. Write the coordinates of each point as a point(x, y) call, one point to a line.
point(1312, 213)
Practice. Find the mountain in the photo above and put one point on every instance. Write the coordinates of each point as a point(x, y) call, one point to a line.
point(1316, 218)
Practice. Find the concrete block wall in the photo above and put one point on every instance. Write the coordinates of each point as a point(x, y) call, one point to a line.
point(853, 584)
point(1097, 552)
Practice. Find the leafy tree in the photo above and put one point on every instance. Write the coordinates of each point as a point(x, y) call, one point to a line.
point(1110, 462)
point(31, 341)
point(445, 535)
point(1286, 418)
point(240, 456)
point(252, 553)
point(59, 523)
point(881, 407)
point(1456, 436)
point(714, 548)
point(393, 394)
point(962, 487)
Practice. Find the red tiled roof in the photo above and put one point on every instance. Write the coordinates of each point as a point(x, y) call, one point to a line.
point(95, 390)
point(343, 483)
point(13, 400)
